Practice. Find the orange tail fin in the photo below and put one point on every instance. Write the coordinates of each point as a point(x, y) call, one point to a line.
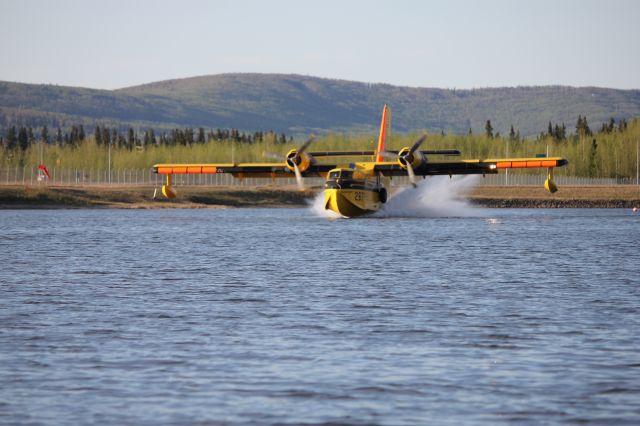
point(386, 122)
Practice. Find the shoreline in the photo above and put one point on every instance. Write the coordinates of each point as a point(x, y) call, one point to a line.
point(61, 197)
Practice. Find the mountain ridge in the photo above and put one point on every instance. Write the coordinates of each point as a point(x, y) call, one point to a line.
point(298, 104)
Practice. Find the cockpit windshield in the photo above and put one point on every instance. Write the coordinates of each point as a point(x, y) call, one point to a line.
point(341, 174)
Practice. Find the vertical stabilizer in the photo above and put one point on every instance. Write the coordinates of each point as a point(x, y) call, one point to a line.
point(384, 125)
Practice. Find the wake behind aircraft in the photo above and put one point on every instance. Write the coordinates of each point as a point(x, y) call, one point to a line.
point(360, 188)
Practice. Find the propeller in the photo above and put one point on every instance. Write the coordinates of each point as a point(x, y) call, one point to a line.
point(293, 159)
point(407, 159)
point(296, 169)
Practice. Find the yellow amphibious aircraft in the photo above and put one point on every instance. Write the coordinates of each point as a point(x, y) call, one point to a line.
point(360, 188)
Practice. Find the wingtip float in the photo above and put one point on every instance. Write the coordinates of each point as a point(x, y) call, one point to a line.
point(360, 188)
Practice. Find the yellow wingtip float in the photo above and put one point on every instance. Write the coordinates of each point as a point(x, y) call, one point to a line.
point(549, 184)
point(360, 188)
point(167, 189)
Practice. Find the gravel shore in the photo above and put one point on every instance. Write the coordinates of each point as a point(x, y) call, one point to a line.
point(11, 197)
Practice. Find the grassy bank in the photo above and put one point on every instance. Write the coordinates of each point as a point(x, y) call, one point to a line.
point(627, 196)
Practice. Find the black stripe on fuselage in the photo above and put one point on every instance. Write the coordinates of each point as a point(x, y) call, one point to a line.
point(349, 184)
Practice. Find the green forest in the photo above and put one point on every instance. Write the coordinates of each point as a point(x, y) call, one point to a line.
point(609, 151)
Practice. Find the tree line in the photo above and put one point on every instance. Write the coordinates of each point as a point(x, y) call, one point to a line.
point(24, 136)
point(558, 132)
point(610, 150)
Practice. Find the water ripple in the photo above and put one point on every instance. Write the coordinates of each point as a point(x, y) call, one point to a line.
point(280, 317)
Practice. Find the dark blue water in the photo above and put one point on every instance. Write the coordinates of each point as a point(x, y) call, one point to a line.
point(276, 316)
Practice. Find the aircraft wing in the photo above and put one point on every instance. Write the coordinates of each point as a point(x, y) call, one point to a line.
point(242, 170)
point(465, 167)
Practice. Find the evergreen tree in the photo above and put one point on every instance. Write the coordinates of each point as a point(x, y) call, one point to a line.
point(587, 130)
point(97, 134)
point(593, 164)
point(12, 138)
point(59, 138)
point(44, 134)
point(74, 136)
point(131, 139)
point(149, 137)
point(106, 136)
point(512, 134)
point(488, 130)
point(121, 141)
point(622, 125)
point(579, 125)
point(582, 127)
point(201, 138)
point(189, 136)
point(115, 138)
point(81, 133)
point(23, 139)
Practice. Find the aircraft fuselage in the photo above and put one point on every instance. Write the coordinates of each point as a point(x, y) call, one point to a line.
point(352, 194)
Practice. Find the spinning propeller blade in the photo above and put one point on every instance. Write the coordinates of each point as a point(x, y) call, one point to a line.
point(407, 160)
point(412, 175)
point(306, 144)
point(417, 144)
point(298, 176)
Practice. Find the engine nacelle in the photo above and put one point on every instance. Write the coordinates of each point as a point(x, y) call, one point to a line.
point(415, 159)
point(302, 160)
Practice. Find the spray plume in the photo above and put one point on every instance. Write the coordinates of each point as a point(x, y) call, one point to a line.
point(437, 196)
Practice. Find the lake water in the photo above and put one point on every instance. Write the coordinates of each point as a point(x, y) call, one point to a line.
point(279, 316)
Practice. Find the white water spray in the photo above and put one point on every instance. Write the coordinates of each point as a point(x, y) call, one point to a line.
point(317, 207)
point(437, 196)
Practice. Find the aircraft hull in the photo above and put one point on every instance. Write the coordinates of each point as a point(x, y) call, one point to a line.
point(352, 202)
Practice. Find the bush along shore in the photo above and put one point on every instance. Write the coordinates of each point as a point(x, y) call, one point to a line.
point(34, 197)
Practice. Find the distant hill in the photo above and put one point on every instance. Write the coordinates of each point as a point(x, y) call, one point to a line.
point(299, 105)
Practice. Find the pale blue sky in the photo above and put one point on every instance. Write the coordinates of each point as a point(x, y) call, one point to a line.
point(459, 43)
